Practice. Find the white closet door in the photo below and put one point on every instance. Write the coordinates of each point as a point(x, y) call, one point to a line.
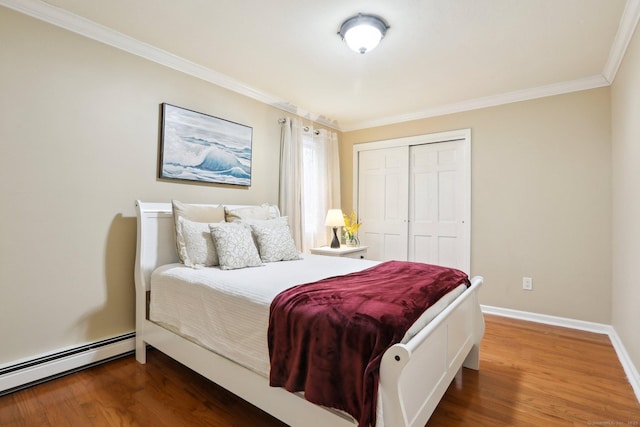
point(437, 204)
point(382, 203)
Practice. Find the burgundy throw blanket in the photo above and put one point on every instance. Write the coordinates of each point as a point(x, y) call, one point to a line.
point(327, 338)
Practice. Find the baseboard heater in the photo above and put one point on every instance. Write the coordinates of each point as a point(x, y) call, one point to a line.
point(45, 368)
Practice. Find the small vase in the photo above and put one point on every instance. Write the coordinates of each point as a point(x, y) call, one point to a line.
point(352, 241)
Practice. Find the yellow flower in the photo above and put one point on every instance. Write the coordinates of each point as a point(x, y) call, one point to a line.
point(351, 225)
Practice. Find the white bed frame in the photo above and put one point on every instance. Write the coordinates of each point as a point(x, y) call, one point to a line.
point(413, 376)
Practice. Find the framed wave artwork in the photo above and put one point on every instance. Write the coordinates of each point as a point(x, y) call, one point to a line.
point(203, 148)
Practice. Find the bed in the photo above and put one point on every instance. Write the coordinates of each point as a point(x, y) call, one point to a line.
point(414, 375)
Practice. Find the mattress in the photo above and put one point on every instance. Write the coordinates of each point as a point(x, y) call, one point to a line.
point(227, 311)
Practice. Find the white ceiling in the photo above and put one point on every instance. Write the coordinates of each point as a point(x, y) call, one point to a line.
point(438, 56)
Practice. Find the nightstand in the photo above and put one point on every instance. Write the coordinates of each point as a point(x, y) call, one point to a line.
point(359, 252)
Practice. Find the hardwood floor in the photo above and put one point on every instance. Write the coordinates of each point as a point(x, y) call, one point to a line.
point(530, 375)
point(539, 375)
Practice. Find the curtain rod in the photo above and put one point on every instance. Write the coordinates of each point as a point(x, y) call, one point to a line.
point(306, 128)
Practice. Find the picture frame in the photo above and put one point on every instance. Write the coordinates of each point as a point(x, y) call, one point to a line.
point(203, 148)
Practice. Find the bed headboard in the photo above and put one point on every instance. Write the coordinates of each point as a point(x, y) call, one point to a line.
point(156, 240)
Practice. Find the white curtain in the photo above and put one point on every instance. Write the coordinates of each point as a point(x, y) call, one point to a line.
point(309, 182)
point(290, 198)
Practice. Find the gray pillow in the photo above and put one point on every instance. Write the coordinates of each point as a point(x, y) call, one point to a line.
point(274, 240)
point(234, 245)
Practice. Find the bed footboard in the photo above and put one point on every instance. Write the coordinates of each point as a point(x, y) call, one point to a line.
point(414, 376)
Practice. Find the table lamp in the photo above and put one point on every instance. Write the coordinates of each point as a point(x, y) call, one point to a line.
point(335, 220)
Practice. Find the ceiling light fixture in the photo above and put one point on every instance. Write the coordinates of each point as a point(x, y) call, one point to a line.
point(362, 33)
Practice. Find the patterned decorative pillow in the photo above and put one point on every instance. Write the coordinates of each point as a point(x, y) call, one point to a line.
point(195, 213)
point(195, 244)
point(274, 240)
point(234, 245)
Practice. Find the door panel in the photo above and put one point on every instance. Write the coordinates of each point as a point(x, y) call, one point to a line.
point(422, 248)
point(448, 251)
point(382, 206)
point(436, 204)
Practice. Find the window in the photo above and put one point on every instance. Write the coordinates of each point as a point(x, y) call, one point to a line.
point(309, 182)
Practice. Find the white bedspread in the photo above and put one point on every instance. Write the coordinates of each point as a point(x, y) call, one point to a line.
point(227, 311)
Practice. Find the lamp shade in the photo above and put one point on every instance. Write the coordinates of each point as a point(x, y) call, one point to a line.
point(362, 33)
point(334, 218)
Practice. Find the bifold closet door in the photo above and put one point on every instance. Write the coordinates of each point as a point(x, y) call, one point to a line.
point(437, 204)
point(383, 184)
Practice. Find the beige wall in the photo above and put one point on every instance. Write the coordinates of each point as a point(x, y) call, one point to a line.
point(625, 107)
point(541, 200)
point(79, 126)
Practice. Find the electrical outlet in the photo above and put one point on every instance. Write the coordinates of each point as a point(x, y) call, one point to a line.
point(527, 283)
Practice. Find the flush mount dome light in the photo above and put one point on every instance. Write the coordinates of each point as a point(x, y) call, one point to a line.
point(362, 33)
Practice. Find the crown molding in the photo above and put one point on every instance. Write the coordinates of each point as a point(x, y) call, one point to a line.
point(626, 28)
point(484, 102)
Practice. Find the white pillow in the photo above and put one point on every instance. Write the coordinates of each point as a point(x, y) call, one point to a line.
point(195, 244)
point(262, 212)
point(196, 213)
point(234, 245)
point(274, 240)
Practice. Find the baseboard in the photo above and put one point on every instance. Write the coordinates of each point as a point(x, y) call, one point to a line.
point(600, 328)
point(629, 368)
point(44, 368)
